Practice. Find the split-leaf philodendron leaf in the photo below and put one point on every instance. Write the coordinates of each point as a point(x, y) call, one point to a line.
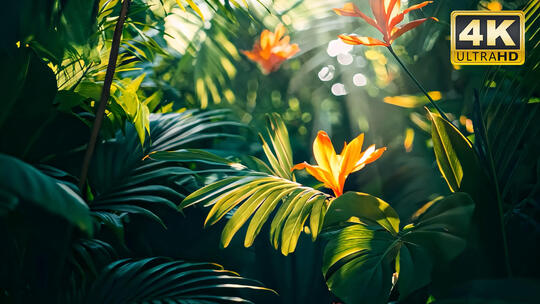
point(365, 240)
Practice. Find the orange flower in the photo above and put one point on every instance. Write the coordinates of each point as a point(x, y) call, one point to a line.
point(334, 169)
point(272, 49)
point(387, 17)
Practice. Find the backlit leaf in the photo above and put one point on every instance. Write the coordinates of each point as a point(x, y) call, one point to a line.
point(358, 257)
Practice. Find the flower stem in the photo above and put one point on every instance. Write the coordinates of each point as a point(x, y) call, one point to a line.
point(419, 85)
point(105, 94)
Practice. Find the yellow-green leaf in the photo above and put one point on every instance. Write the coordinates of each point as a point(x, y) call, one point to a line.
point(361, 207)
point(455, 156)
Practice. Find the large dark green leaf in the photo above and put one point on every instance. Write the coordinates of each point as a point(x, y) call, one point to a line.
point(437, 236)
point(22, 184)
point(363, 207)
point(357, 262)
point(357, 259)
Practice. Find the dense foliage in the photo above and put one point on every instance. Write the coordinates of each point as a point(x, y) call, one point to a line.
point(145, 143)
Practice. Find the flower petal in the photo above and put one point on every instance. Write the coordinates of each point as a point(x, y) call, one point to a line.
point(300, 166)
point(417, 6)
point(350, 155)
point(409, 26)
point(352, 152)
point(356, 40)
point(267, 39)
point(375, 155)
point(323, 150)
point(315, 171)
point(351, 10)
point(392, 9)
point(279, 32)
point(272, 64)
point(399, 17)
point(286, 51)
point(362, 159)
point(251, 55)
point(377, 7)
point(369, 156)
point(321, 175)
point(270, 51)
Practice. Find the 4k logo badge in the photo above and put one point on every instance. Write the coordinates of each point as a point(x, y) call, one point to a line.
point(487, 38)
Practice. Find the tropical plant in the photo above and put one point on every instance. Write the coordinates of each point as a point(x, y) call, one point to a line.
point(365, 248)
point(260, 193)
point(161, 280)
point(374, 252)
point(169, 92)
point(73, 266)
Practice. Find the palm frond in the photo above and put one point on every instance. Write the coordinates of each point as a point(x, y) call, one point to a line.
point(281, 159)
point(254, 196)
point(124, 181)
point(88, 257)
point(162, 280)
point(508, 111)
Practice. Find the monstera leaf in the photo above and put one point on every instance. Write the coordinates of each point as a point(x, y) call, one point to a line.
point(366, 240)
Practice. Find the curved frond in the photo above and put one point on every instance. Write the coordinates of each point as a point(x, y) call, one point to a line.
point(279, 155)
point(161, 280)
point(506, 115)
point(88, 257)
point(253, 196)
point(124, 181)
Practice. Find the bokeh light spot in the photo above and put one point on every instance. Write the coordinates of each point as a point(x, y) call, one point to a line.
point(359, 80)
point(345, 59)
point(336, 47)
point(327, 73)
point(338, 89)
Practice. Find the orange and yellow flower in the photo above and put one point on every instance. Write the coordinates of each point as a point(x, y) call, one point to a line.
point(272, 49)
point(333, 169)
point(387, 16)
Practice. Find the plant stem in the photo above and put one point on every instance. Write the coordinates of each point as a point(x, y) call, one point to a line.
point(105, 94)
point(419, 85)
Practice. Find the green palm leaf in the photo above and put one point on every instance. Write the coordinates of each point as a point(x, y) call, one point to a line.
point(123, 181)
point(506, 108)
point(88, 257)
point(253, 196)
point(161, 280)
